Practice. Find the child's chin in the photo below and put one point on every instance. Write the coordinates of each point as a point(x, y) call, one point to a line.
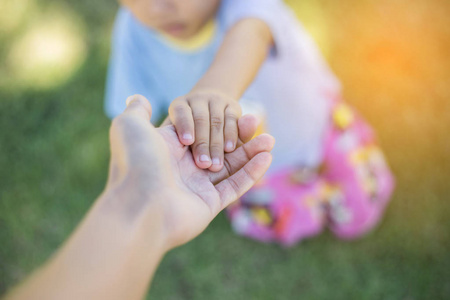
point(178, 32)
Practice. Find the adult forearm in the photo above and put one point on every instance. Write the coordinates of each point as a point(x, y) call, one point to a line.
point(113, 254)
point(239, 58)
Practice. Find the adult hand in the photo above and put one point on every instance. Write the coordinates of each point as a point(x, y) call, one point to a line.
point(152, 171)
point(156, 198)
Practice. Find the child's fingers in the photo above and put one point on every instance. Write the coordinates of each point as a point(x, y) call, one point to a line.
point(232, 114)
point(200, 148)
point(180, 115)
point(216, 112)
point(237, 159)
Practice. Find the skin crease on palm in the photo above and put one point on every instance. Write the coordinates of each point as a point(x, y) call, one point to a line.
point(184, 178)
point(178, 18)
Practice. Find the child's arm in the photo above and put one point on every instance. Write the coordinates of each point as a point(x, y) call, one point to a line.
point(207, 116)
point(243, 51)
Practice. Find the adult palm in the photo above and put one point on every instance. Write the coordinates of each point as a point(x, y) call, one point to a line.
point(163, 170)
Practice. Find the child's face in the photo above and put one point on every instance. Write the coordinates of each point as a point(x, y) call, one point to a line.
point(178, 18)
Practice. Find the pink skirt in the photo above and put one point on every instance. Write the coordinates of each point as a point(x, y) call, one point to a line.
point(348, 193)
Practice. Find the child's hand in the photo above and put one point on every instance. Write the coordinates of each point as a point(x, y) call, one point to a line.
point(207, 120)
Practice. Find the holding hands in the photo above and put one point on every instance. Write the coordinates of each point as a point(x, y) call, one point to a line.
point(151, 162)
point(207, 120)
point(156, 198)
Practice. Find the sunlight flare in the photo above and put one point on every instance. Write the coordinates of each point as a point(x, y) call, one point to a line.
point(49, 52)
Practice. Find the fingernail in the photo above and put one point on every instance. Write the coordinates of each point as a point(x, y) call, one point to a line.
point(204, 158)
point(215, 161)
point(187, 136)
point(129, 100)
point(132, 99)
point(229, 145)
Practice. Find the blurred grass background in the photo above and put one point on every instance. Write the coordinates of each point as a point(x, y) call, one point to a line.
point(393, 60)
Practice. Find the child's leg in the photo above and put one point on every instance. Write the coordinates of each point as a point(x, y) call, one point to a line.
point(280, 209)
point(360, 181)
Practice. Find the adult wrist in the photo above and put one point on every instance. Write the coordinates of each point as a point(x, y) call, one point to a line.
point(140, 211)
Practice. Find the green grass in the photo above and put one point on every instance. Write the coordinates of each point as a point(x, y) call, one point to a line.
point(392, 58)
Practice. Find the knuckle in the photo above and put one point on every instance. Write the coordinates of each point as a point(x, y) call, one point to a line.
point(231, 117)
point(179, 110)
point(216, 98)
point(216, 122)
point(200, 120)
point(197, 98)
point(217, 149)
point(201, 144)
